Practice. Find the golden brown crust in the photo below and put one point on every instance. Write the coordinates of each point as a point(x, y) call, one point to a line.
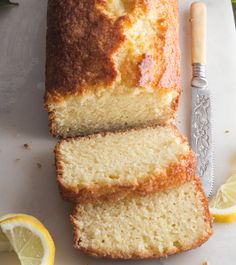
point(82, 39)
point(208, 217)
point(80, 42)
point(139, 255)
point(175, 175)
point(51, 118)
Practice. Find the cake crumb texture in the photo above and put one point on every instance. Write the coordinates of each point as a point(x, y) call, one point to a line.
point(114, 164)
point(154, 225)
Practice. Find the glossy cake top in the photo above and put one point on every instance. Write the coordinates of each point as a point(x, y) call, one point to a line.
point(111, 43)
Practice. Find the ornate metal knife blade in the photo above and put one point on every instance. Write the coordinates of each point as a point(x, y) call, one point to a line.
point(201, 123)
point(201, 128)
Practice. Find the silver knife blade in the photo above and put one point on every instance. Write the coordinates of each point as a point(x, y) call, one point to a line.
point(201, 127)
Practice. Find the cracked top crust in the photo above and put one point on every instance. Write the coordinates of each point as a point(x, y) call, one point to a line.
point(94, 44)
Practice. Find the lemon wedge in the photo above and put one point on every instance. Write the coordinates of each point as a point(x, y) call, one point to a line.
point(223, 205)
point(29, 239)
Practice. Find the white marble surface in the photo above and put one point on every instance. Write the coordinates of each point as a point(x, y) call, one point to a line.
point(26, 188)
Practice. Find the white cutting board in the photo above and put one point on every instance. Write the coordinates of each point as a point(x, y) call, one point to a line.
point(26, 188)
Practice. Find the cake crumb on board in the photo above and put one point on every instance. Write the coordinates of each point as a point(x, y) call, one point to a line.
point(26, 146)
point(39, 165)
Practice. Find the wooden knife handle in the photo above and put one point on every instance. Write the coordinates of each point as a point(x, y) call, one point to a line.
point(198, 19)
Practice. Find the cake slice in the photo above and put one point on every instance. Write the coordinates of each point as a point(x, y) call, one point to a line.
point(138, 227)
point(112, 165)
point(111, 65)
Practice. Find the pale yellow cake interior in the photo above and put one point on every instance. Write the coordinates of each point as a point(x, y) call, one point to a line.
point(157, 223)
point(120, 158)
point(84, 115)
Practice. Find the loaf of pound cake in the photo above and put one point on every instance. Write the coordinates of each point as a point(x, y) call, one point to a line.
point(111, 64)
point(111, 165)
point(138, 227)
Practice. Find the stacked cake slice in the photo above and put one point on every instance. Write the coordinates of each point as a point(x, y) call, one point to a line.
point(114, 164)
point(136, 191)
point(113, 85)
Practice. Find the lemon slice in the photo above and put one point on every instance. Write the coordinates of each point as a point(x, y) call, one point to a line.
point(29, 239)
point(223, 205)
point(4, 242)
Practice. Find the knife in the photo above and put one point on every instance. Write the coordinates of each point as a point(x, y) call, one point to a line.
point(201, 118)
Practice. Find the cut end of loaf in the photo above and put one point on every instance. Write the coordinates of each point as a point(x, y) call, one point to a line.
point(154, 225)
point(138, 160)
point(110, 110)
